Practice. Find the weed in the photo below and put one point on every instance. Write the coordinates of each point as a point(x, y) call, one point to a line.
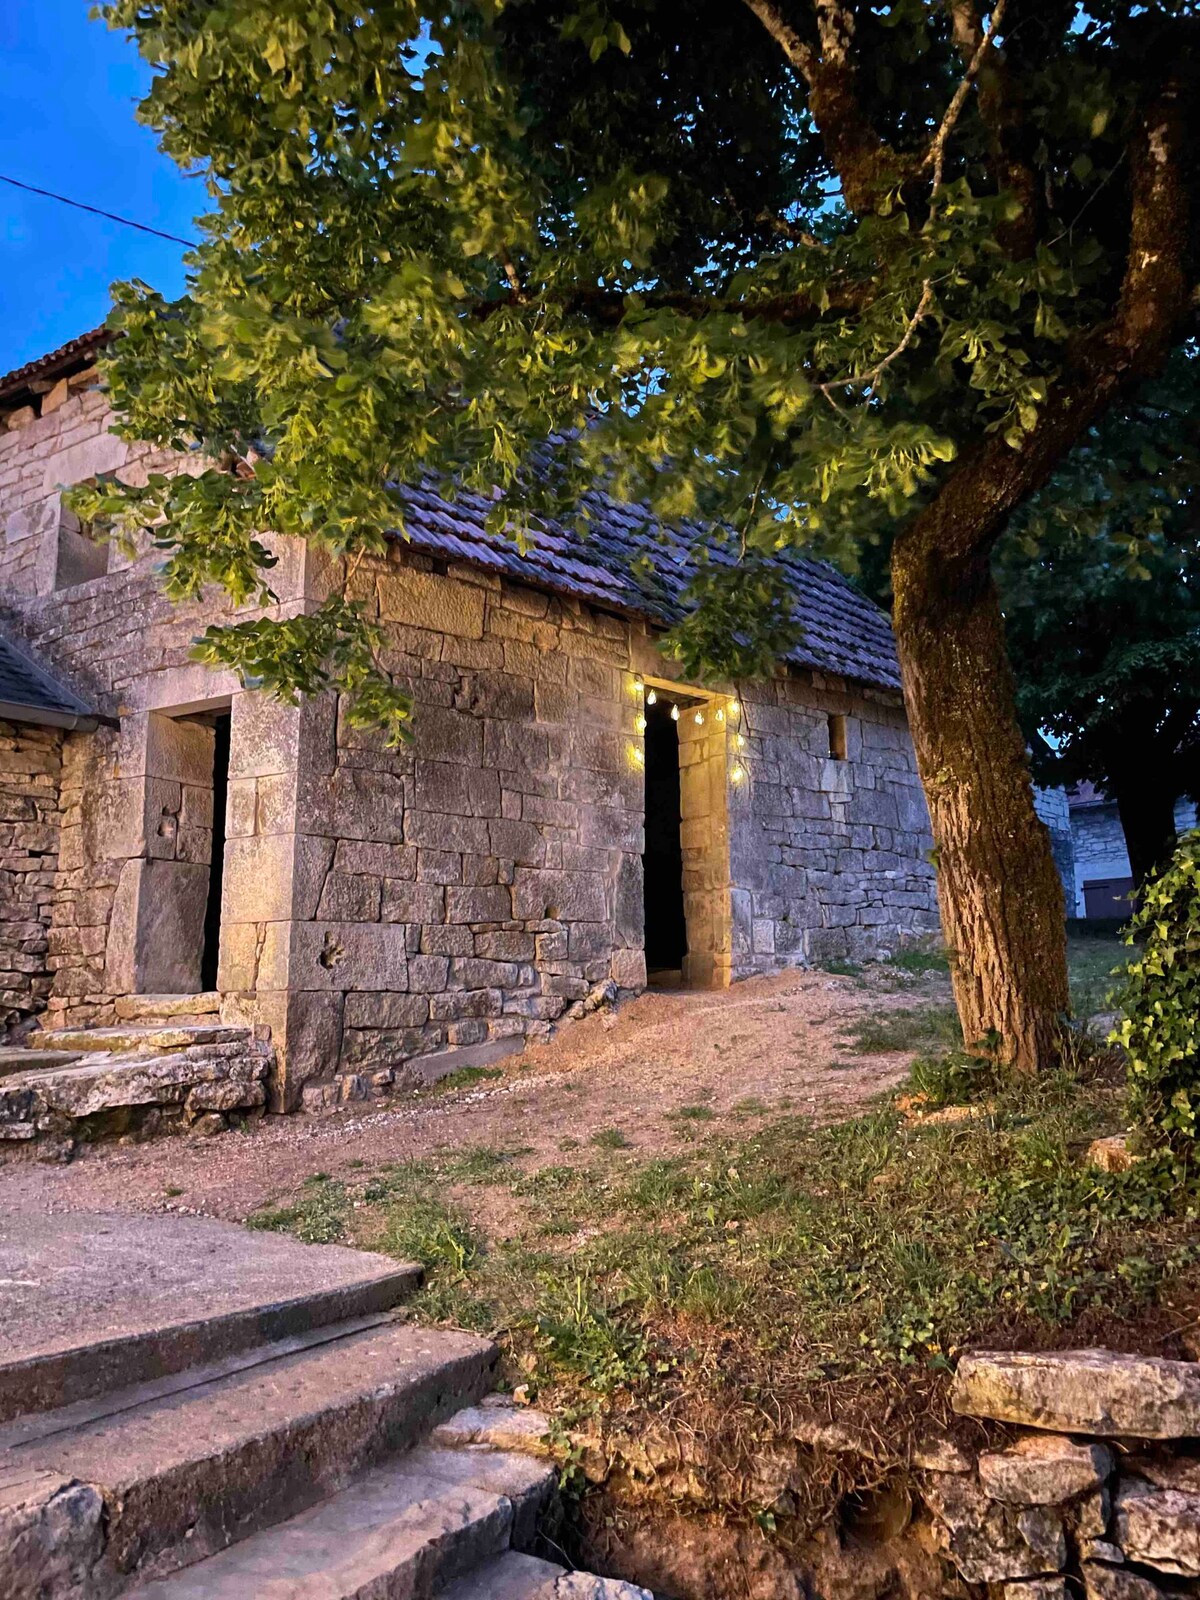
point(172, 1192)
point(479, 1164)
point(840, 968)
point(609, 1139)
point(919, 959)
point(906, 1028)
point(464, 1078)
point(691, 1114)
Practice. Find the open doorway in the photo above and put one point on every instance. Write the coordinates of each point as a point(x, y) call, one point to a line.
point(662, 863)
point(209, 957)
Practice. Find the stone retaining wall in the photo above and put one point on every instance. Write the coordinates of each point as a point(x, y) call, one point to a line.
point(1097, 1487)
point(30, 771)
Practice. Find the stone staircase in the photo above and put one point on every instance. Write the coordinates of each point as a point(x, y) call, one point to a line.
point(168, 1064)
point(350, 1455)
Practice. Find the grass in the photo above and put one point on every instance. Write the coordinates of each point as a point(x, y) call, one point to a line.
point(904, 1028)
point(464, 1078)
point(768, 1268)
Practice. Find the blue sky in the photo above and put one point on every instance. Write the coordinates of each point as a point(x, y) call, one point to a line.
point(69, 88)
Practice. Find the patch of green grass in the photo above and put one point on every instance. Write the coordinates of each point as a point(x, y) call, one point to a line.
point(691, 1114)
point(318, 1215)
point(464, 1078)
point(840, 968)
point(1094, 967)
point(172, 1191)
point(919, 959)
point(906, 1028)
point(609, 1139)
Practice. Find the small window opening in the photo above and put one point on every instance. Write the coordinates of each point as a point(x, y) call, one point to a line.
point(837, 736)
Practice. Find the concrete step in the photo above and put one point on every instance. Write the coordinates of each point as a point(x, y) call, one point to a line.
point(94, 1303)
point(183, 1475)
point(401, 1532)
point(143, 1037)
point(164, 1007)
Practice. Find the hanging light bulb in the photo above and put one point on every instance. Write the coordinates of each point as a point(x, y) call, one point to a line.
point(737, 772)
point(638, 686)
point(720, 714)
point(652, 698)
point(741, 741)
point(700, 718)
point(674, 713)
point(635, 755)
point(640, 724)
point(734, 708)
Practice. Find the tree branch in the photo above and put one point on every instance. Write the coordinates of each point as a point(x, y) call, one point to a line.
point(1003, 124)
point(610, 307)
point(869, 378)
point(936, 154)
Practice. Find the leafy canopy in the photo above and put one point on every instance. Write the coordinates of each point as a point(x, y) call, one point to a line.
point(780, 268)
point(1101, 587)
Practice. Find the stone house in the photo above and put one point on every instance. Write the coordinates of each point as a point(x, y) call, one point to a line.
point(568, 814)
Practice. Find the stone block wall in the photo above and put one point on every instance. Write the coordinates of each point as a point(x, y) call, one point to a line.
point(30, 773)
point(828, 856)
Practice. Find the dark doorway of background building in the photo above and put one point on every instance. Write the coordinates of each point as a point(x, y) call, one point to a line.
point(662, 864)
point(212, 909)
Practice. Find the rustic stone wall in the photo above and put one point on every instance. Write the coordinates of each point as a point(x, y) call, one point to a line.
point(828, 857)
point(30, 772)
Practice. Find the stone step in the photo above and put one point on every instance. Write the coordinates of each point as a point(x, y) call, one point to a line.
point(181, 1476)
point(143, 1037)
point(401, 1532)
point(15, 1059)
point(96, 1303)
point(201, 1079)
point(160, 1007)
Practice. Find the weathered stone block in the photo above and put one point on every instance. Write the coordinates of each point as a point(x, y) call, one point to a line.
point(990, 1542)
point(1082, 1391)
point(425, 600)
point(156, 931)
point(1044, 1470)
point(1159, 1527)
point(546, 895)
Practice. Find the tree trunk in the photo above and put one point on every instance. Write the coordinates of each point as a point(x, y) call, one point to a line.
point(998, 888)
point(1146, 805)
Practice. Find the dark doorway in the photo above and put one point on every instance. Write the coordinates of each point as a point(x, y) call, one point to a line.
point(662, 864)
point(216, 871)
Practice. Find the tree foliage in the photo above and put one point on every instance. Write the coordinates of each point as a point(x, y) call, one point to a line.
point(440, 234)
point(1101, 587)
point(1160, 1028)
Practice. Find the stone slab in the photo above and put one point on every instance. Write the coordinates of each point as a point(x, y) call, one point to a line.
point(1159, 1528)
point(165, 1007)
point(1044, 1470)
point(185, 1476)
point(92, 1301)
point(14, 1060)
point(145, 1036)
point(441, 1063)
point(512, 1576)
point(1095, 1392)
point(496, 1427)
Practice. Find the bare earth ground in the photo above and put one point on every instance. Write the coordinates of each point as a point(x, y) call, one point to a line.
point(766, 1045)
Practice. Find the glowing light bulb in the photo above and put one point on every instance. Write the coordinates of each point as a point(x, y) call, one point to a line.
point(734, 708)
point(700, 717)
point(737, 772)
point(640, 724)
point(674, 713)
point(741, 741)
point(635, 755)
point(638, 686)
point(720, 714)
point(652, 698)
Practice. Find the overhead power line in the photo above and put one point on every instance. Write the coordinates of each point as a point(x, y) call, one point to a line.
point(96, 211)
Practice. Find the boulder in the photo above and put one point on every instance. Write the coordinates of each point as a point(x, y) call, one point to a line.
point(1159, 1527)
point(1081, 1391)
point(1037, 1589)
point(1101, 1582)
point(1044, 1470)
point(990, 1542)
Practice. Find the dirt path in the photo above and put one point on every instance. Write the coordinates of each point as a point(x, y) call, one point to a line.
point(664, 1065)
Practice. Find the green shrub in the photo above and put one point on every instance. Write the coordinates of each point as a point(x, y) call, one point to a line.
point(1160, 1029)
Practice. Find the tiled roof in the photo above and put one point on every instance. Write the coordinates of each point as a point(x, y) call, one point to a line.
point(51, 365)
point(842, 631)
point(28, 693)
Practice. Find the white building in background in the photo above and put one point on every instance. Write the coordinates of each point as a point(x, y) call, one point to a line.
point(1103, 880)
